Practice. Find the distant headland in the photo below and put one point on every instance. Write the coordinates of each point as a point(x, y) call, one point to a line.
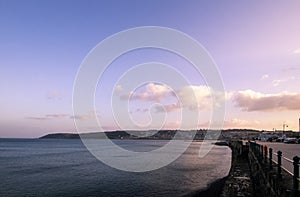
point(160, 135)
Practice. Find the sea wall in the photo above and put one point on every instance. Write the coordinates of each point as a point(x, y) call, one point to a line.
point(239, 181)
point(254, 174)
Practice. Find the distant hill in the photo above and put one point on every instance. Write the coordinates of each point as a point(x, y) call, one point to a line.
point(61, 136)
point(161, 135)
point(111, 135)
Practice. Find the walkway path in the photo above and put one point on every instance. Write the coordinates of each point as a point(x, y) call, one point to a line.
point(288, 151)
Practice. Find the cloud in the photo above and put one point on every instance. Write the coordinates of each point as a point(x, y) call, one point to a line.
point(62, 116)
point(265, 76)
point(195, 96)
point(277, 82)
point(118, 89)
point(152, 92)
point(81, 117)
point(141, 110)
point(297, 51)
point(200, 97)
point(36, 118)
point(250, 100)
point(157, 89)
point(168, 108)
point(48, 117)
point(240, 123)
point(57, 115)
point(190, 97)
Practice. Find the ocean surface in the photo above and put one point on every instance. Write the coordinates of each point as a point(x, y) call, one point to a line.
point(54, 167)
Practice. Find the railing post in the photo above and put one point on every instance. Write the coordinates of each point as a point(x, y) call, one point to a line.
point(296, 175)
point(262, 153)
point(279, 155)
point(258, 152)
point(265, 153)
point(270, 158)
point(241, 147)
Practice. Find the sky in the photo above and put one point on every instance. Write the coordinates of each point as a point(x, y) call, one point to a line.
point(254, 44)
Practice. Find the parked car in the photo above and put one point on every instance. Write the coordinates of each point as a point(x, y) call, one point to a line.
point(290, 140)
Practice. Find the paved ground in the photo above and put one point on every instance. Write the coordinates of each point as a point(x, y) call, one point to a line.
point(238, 183)
point(288, 151)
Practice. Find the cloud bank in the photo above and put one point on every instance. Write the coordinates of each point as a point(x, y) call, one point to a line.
point(250, 100)
point(152, 92)
point(189, 97)
point(62, 116)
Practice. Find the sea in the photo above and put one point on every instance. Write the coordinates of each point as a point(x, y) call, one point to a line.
point(64, 167)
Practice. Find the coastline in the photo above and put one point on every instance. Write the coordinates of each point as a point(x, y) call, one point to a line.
point(228, 134)
point(215, 188)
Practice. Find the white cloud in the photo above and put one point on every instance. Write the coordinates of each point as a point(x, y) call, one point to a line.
point(118, 89)
point(277, 82)
point(152, 92)
point(194, 97)
point(265, 76)
point(201, 97)
point(250, 100)
point(240, 123)
point(36, 118)
point(57, 115)
point(81, 117)
point(157, 89)
point(168, 108)
point(190, 97)
point(62, 116)
point(297, 51)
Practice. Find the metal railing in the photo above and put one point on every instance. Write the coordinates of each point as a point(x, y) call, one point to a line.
point(265, 155)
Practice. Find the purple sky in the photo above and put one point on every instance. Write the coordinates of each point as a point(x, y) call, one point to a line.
point(255, 44)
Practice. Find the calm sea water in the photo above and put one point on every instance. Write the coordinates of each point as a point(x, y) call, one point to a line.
point(34, 167)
